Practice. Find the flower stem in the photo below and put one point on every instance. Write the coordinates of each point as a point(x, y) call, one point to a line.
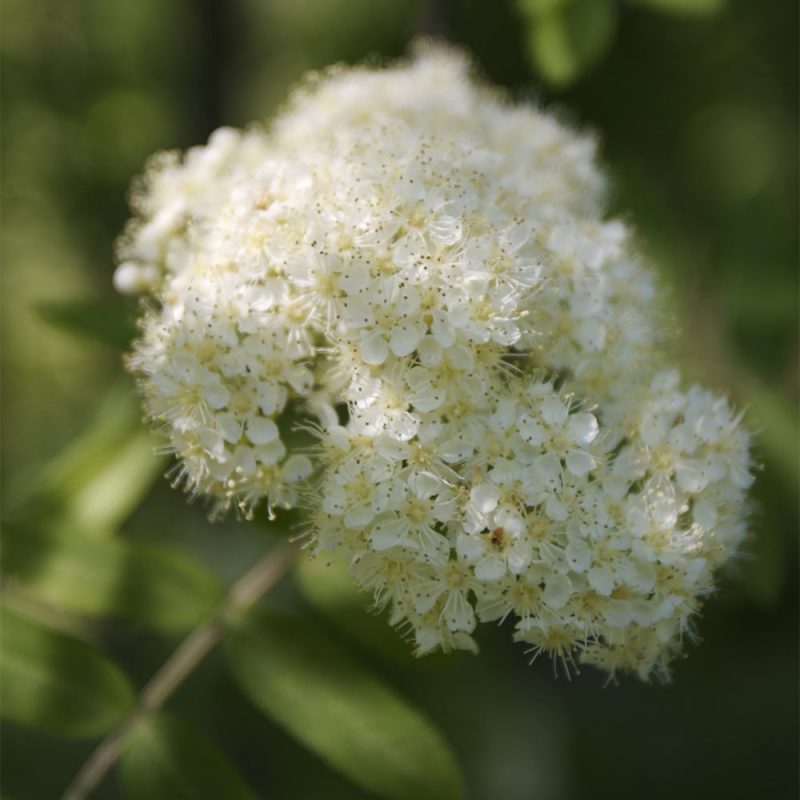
point(253, 585)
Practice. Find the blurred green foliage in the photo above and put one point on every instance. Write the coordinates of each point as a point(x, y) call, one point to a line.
point(55, 683)
point(155, 586)
point(567, 37)
point(168, 760)
point(308, 683)
point(105, 565)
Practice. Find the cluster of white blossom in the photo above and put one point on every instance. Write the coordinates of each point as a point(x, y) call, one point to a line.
point(419, 271)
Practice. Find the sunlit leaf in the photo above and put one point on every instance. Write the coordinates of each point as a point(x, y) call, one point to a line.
point(154, 585)
point(56, 684)
point(102, 476)
point(116, 416)
point(106, 322)
point(114, 491)
point(685, 6)
point(167, 760)
point(293, 671)
point(567, 38)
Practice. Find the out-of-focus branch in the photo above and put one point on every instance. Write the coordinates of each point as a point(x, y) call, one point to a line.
point(253, 585)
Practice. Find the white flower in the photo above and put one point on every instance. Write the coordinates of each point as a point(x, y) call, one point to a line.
point(504, 547)
point(420, 272)
point(422, 503)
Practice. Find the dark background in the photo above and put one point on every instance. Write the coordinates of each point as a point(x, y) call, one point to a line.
point(698, 118)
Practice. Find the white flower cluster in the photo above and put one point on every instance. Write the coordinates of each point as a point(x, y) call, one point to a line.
point(420, 271)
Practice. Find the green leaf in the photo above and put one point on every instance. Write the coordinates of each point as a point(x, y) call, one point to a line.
point(116, 417)
point(566, 39)
point(102, 475)
point(686, 7)
point(331, 590)
point(165, 759)
point(100, 478)
point(106, 322)
point(294, 672)
point(111, 495)
point(154, 585)
point(56, 684)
